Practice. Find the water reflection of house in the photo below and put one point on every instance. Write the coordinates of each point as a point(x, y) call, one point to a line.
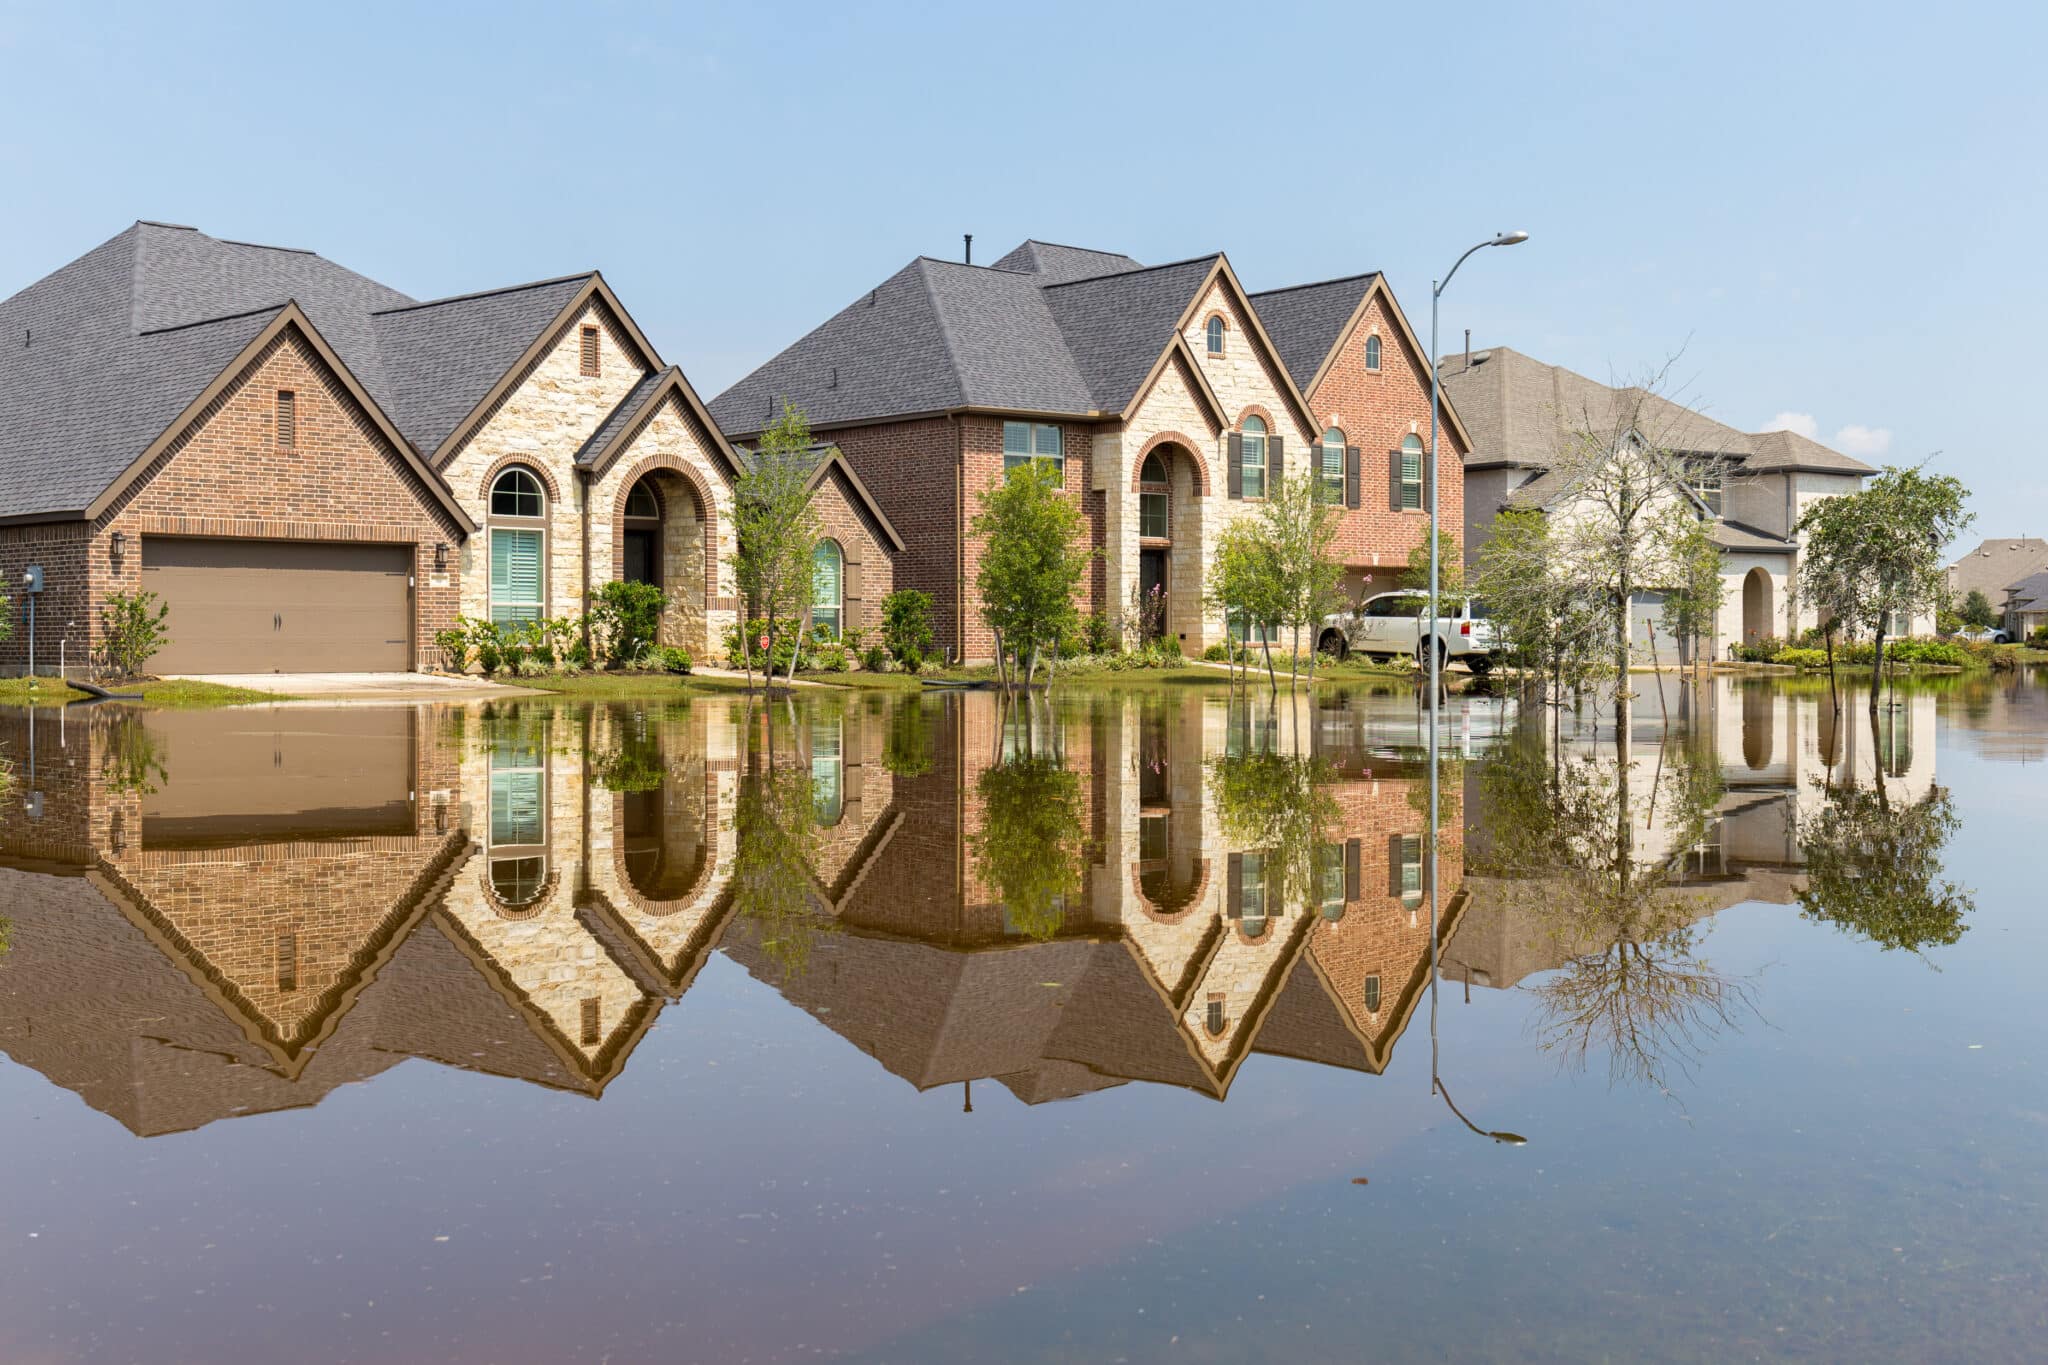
point(291, 898)
point(1176, 958)
point(1774, 750)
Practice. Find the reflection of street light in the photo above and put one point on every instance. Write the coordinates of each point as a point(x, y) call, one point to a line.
point(1509, 1139)
point(1436, 649)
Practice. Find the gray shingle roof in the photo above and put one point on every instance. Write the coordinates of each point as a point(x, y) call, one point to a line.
point(103, 354)
point(1995, 566)
point(1520, 410)
point(1733, 535)
point(2031, 593)
point(438, 359)
point(620, 417)
point(938, 335)
point(1304, 320)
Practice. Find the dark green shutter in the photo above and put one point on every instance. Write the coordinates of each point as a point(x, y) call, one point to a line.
point(1394, 478)
point(1236, 890)
point(1352, 878)
point(1394, 866)
point(1276, 466)
point(1351, 476)
point(1236, 446)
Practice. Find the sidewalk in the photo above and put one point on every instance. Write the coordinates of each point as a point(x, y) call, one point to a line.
point(330, 687)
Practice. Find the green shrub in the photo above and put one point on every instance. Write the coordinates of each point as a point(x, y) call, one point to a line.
point(1218, 653)
point(1802, 657)
point(455, 648)
point(1169, 645)
point(2039, 639)
point(875, 659)
point(907, 625)
point(1099, 634)
point(1763, 651)
point(1926, 652)
point(911, 658)
point(624, 619)
point(131, 631)
point(674, 659)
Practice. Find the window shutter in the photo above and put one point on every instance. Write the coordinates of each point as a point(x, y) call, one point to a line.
point(1236, 445)
point(1351, 479)
point(1394, 866)
point(1276, 465)
point(1352, 860)
point(1394, 478)
point(1236, 878)
point(1428, 475)
point(852, 598)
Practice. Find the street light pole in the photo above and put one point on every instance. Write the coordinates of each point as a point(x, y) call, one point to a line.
point(1436, 646)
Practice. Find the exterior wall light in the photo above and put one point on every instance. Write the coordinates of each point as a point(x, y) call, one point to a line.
point(118, 547)
point(440, 555)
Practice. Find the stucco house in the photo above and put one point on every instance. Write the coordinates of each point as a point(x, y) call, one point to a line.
point(1999, 569)
point(318, 472)
point(1752, 486)
point(1167, 398)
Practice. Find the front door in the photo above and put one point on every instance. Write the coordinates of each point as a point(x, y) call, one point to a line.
point(643, 562)
point(1151, 579)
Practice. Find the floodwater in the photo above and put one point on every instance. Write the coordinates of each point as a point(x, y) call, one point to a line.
point(882, 1029)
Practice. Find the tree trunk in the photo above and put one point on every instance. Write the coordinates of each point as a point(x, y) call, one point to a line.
point(1294, 661)
point(1834, 689)
point(1877, 670)
point(1266, 646)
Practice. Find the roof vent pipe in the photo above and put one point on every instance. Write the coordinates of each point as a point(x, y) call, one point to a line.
point(968, 238)
point(1468, 348)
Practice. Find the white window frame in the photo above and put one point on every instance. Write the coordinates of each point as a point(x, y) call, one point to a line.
point(1333, 483)
point(1246, 463)
point(1372, 353)
point(1026, 441)
point(1212, 334)
point(1411, 444)
point(516, 610)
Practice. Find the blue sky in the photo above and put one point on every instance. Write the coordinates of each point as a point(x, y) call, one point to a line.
point(1824, 208)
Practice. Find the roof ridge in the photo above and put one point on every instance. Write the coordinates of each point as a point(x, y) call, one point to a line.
point(265, 246)
point(482, 293)
point(223, 317)
point(1317, 284)
point(175, 227)
point(945, 332)
point(1125, 274)
point(969, 265)
point(1069, 246)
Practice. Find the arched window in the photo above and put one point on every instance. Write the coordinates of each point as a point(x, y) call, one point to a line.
point(1254, 470)
point(828, 771)
point(1215, 335)
point(1372, 352)
point(518, 816)
point(1152, 498)
point(641, 504)
point(1372, 994)
point(1409, 475)
point(827, 584)
point(1333, 465)
point(518, 547)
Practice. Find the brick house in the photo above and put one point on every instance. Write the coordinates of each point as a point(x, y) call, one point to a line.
point(1158, 393)
point(317, 472)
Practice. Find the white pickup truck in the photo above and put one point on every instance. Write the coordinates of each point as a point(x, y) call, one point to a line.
point(1393, 623)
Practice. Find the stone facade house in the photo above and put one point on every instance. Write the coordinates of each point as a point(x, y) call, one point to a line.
point(317, 472)
point(1752, 486)
point(1159, 393)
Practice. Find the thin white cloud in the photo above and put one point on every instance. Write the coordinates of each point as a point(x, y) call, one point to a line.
point(1799, 422)
point(1863, 441)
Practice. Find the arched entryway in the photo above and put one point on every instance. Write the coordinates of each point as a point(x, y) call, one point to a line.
point(1757, 607)
point(1170, 480)
point(661, 529)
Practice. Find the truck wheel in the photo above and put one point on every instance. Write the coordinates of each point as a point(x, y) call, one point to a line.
point(1334, 645)
point(1443, 657)
point(1480, 664)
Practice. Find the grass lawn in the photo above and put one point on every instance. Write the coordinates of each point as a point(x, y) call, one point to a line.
point(624, 686)
point(179, 693)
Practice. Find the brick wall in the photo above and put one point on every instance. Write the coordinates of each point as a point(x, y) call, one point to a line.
point(870, 563)
point(911, 468)
point(341, 481)
point(63, 613)
point(1375, 410)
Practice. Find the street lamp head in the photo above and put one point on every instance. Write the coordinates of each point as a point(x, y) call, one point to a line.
point(1515, 238)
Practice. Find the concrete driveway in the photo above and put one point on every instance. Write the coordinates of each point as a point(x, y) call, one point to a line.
point(365, 686)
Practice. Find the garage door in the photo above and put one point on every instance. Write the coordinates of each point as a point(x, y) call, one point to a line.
point(269, 606)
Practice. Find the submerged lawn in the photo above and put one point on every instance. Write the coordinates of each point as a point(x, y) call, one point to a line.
point(171, 693)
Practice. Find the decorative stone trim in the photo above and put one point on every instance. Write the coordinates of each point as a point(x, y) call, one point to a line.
point(523, 461)
point(157, 525)
point(1257, 410)
point(705, 504)
point(1173, 438)
point(519, 912)
point(1154, 913)
point(654, 909)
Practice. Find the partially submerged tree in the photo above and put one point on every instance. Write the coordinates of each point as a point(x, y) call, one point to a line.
point(1874, 868)
point(1032, 561)
point(1450, 573)
point(1871, 560)
point(1031, 848)
point(1298, 525)
point(775, 837)
point(776, 540)
point(1245, 587)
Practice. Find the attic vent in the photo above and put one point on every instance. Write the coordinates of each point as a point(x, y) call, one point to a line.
point(835, 378)
point(287, 420)
point(590, 352)
point(593, 1021)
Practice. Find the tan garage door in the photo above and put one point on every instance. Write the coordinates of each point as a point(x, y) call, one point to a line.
point(271, 606)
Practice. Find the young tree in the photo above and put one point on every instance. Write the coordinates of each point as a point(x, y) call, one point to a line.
point(1031, 848)
point(1244, 585)
point(1872, 558)
point(777, 534)
point(1298, 524)
point(1450, 571)
point(1032, 562)
point(1556, 634)
point(1977, 610)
